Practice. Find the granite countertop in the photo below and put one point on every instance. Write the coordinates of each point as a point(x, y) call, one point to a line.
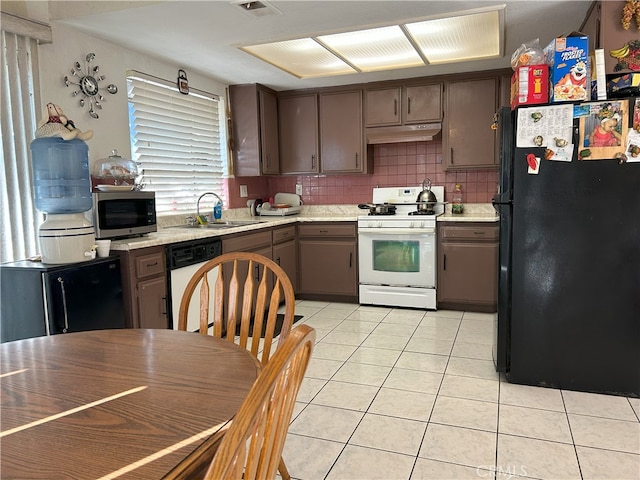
point(473, 212)
point(169, 230)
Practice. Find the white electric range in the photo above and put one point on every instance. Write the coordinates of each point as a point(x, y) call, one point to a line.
point(397, 249)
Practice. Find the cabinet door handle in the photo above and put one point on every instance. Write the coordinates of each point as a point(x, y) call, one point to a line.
point(409, 105)
point(451, 155)
point(356, 159)
point(278, 260)
point(152, 264)
point(444, 262)
point(479, 233)
point(164, 306)
point(323, 231)
point(395, 107)
point(64, 305)
point(257, 267)
point(313, 161)
point(350, 259)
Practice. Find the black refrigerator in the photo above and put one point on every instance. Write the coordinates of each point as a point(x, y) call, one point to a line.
point(569, 275)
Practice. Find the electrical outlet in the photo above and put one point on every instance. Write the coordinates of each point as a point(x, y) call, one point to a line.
point(243, 191)
point(298, 189)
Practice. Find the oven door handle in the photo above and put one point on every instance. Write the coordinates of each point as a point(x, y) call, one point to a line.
point(397, 231)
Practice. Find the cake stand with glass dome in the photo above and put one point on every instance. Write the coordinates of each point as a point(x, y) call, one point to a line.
point(115, 173)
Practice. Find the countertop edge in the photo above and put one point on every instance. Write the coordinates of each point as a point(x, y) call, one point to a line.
point(174, 234)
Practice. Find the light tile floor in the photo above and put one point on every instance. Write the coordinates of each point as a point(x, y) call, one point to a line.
point(409, 394)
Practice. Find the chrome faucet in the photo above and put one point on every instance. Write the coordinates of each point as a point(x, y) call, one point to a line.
point(200, 198)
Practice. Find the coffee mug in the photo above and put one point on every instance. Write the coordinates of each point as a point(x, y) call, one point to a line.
point(103, 247)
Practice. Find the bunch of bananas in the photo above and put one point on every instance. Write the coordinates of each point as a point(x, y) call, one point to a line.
point(620, 52)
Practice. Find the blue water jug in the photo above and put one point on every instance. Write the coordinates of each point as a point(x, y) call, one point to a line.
point(60, 173)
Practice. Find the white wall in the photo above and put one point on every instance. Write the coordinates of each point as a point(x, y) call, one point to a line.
point(111, 130)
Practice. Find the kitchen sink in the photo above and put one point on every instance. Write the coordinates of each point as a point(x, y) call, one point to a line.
point(223, 224)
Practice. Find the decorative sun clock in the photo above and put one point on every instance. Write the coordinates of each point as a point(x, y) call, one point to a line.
point(88, 82)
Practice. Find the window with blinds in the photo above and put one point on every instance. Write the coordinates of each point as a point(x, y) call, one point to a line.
point(177, 141)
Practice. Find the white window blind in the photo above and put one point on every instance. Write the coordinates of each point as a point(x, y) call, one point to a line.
point(176, 139)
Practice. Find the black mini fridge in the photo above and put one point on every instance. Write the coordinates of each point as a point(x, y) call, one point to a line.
point(39, 299)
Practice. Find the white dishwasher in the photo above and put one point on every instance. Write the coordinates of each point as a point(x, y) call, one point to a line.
point(184, 259)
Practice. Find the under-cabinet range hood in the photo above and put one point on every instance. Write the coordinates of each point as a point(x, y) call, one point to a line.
point(406, 133)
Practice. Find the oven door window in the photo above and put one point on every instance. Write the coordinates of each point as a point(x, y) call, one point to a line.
point(396, 255)
point(389, 258)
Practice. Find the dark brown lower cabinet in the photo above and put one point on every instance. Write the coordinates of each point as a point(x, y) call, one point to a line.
point(285, 252)
point(328, 264)
point(144, 285)
point(468, 267)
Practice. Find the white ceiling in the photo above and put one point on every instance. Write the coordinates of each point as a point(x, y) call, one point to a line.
point(204, 36)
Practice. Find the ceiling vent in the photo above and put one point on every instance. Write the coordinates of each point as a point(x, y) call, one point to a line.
point(257, 9)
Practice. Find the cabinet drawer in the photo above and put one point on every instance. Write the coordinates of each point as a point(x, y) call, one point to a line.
point(246, 242)
point(470, 233)
point(325, 230)
point(147, 265)
point(283, 234)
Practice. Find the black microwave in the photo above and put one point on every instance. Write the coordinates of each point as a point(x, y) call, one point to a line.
point(124, 214)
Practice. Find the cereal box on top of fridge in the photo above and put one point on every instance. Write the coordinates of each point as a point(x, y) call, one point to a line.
point(567, 57)
point(530, 85)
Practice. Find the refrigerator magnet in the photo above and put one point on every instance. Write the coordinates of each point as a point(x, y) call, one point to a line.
point(533, 164)
point(560, 151)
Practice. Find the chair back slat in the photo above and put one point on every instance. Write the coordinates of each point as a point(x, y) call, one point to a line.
point(218, 302)
point(232, 303)
point(204, 305)
point(248, 294)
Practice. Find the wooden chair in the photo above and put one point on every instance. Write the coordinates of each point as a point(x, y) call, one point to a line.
point(252, 447)
point(247, 290)
point(241, 299)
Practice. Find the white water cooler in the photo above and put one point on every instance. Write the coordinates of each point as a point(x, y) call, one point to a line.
point(62, 191)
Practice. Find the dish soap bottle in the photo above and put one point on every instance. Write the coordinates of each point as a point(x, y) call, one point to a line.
point(217, 211)
point(457, 206)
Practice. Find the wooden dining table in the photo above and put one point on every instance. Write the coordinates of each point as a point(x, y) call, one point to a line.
point(127, 403)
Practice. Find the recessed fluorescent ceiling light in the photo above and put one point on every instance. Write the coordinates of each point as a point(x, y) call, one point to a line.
point(464, 36)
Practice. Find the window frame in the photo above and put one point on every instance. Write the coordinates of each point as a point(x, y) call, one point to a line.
point(159, 106)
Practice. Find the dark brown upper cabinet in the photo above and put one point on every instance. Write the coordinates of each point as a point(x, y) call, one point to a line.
point(341, 133)
point(254, 114)
point(468, 140)
point(298, 124)
point(403, 105)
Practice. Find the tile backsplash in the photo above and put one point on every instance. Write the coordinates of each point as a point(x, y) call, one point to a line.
point(397, 164)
